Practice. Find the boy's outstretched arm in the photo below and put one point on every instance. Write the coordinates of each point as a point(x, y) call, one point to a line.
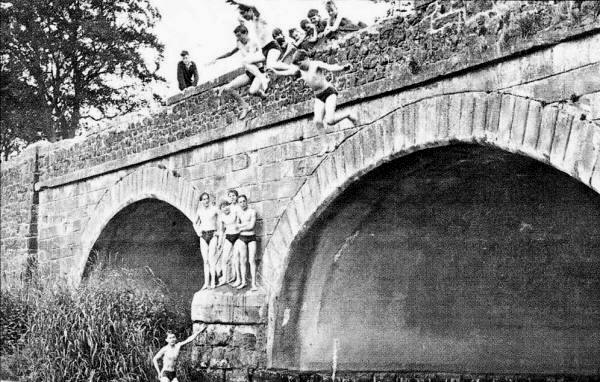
point(245, 3)
point(292, 70)
point(228, 54)
point(332, 67)
point(194, 335)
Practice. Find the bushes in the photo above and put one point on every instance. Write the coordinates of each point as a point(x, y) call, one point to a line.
point(108, 329)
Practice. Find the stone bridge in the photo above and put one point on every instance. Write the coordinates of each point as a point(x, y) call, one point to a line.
point(495, 102)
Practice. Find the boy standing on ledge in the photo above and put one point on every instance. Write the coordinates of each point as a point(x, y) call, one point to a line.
point(313, 74)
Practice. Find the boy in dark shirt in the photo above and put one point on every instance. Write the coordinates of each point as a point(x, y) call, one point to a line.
point(338, 24)
point(287, 47)
point(310, 35)
point(187, 73)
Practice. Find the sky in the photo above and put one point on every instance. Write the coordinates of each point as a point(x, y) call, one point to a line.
point(205, 29)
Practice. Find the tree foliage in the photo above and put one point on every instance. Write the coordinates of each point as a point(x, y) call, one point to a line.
point(67, 60)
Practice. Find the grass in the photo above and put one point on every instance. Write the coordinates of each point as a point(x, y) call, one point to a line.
point(108, 329)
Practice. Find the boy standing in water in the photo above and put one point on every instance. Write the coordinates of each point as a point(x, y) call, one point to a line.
point(170, 353)
point(313, 74)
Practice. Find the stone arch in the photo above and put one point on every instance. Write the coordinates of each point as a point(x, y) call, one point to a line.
point(552, 134)
point(143, 183)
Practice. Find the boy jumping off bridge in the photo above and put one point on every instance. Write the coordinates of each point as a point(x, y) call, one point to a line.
point(254, 74)
point(313, 74)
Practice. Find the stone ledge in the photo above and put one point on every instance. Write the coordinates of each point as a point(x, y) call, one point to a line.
point(195, 90)
point(227, 305)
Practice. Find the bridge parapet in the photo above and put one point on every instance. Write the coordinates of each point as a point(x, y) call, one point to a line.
point(441, 39)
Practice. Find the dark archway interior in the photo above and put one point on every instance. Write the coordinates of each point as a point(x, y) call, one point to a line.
point(463, 258)
point(153, 234)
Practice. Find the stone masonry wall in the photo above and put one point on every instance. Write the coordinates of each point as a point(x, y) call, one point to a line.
point(18, 218)
point(231, 348)
point(442, 37)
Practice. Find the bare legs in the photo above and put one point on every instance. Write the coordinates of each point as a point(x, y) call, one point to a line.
point(225, 259)
point(243, 257)
point(252, 260)
point(319, 113)
point(209, 256)
point(257, 87)
point(235, 263)
point(247, 254)
point(204, 252)
point(212, 262)
point(327, 110)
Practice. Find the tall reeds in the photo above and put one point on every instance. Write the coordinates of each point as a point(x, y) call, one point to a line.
point(108, 329)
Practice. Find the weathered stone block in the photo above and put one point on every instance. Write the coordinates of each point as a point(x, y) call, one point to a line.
point(532, 128)
point(549, 117)
point(227, 305)
point(466, 116)
point(507, 110)
point(519, 122)
point(240, 162)
point(562, 132)
point(425, 124)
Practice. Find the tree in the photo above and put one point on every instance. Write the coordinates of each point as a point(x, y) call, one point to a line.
point(67, 60)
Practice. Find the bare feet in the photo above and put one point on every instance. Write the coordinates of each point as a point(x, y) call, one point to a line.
point(319, 124)
point(242, 285)
point(205, 286)
point(254, 288)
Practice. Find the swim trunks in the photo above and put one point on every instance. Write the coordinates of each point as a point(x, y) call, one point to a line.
point(326, 93)
point(208, 235)
point(232, 237)
point(171, 375)
point(271, 45)
point(247, 238)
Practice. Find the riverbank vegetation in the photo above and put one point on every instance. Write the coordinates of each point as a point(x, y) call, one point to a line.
point(107, 329)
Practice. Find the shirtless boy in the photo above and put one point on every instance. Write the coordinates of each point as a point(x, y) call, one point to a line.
point(206, 224)
point(247, 241)
point(229, 232)
point(253, 75)
point(270, 51)
point(312, 72)
point(169, 355)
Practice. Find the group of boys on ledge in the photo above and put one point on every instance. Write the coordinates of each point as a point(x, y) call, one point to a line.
point(227, 241)
point(266, 50)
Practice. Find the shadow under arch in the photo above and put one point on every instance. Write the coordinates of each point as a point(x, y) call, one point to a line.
point(150, 243)
point(143, 183)
point(549, 134)
point(442, 255)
